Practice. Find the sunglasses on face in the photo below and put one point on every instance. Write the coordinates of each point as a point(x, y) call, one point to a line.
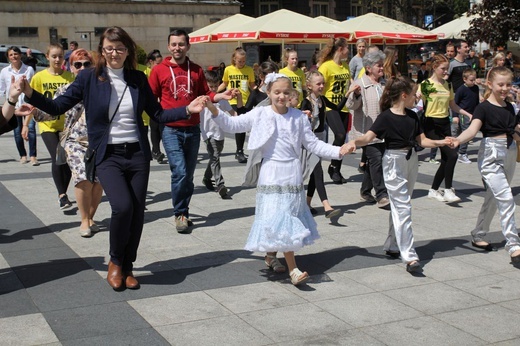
point(78, 64)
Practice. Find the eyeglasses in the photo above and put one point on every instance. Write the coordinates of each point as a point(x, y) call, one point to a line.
point(77, 65)
point(110, 50)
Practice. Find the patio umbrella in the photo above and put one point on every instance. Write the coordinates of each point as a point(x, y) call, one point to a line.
point(454, 28)
point(208, 33)
point(379, 29)
point(282, 26)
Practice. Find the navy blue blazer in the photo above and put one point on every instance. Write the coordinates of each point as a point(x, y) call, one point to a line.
point(95, 94)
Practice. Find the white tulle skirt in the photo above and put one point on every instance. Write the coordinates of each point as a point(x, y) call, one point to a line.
point(283, 221)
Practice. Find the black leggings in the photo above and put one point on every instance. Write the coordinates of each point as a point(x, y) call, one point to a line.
point(338, 123)
point(60, 173)
point(440, 128)
point(316, 183)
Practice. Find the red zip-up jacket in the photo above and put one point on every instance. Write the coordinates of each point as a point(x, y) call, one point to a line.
point(183, 90)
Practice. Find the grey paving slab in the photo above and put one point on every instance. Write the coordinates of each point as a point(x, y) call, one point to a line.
point(30, 329)
point(228, 330)
point(137, 337)
point(178, 308)
point(368, 309)
point(424, 330)
point(290, 322)
point(493, 288)
point(94, 321)
point(491, 323)
point(351, 337)
point(15, 301)
point(435, 298)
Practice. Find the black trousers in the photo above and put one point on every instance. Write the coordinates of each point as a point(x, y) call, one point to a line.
point(156, 135)
point(440, 128)
point(61, 174)
point(124, 174)
point(338, 123)
point(373, 175)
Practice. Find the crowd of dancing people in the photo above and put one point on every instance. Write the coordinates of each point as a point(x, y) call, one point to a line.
point(94, 112)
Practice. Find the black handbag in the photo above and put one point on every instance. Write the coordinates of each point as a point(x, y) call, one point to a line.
point(90, 155)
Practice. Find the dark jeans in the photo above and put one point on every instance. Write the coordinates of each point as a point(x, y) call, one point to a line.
point(338, 123)
point(182, 146)
point(61, 174)
point(124, 174)
point(373, 175)
point(20, 142)
point(440, 128)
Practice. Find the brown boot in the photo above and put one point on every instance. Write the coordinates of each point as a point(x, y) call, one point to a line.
point(115, 276)
point(131, 282)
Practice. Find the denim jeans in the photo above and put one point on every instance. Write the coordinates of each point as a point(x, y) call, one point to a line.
point(20, 144)
point(182, 146)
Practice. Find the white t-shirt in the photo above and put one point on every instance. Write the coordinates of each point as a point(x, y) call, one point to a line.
point(208, 127)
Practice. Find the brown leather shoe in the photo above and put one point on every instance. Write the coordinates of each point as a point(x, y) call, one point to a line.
point(115, 276)
point(131, 282)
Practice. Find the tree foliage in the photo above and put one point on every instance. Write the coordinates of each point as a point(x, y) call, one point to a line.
point(497, 22)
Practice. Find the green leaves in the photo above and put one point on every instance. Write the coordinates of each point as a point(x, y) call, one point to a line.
point(427, 88)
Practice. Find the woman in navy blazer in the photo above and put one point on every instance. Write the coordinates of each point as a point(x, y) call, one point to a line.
point(123, 151)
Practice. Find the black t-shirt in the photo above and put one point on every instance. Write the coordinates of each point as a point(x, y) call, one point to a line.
point(325, 103)
point(6, 126)
point(398, 131)
point(496, 120)
point(467, 98)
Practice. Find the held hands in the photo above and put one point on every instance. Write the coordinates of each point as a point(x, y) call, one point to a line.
point(210, 106)
point(197, 105)
point(347, 148)
point(226, 95)
point(452, 142)
point(354, 88)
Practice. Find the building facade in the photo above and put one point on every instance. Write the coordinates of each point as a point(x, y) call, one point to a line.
point(37, 23)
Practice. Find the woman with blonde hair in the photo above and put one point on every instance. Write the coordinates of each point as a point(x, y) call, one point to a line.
point(356, 63)
point(239, 76)
point(337, 77)
point(389, 67)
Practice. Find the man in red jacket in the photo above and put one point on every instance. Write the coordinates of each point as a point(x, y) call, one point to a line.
point(176, 82)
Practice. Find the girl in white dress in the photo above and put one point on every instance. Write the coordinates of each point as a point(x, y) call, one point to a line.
point(283, 221)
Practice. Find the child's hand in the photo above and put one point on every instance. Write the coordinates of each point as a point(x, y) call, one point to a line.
point(452, 142)
point(24, 110)
point(307, 113)
point(197, 105)
point(354, 88)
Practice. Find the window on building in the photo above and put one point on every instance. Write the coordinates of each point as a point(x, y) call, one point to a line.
point(22, 31)
point(267, 6)
point(99, 31)
point(356, 8)
point(320, 8)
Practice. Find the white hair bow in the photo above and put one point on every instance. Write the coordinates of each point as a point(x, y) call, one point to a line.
point(272, 77)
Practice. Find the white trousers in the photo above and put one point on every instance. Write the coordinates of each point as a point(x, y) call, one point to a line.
point(496, 164)
point(400, 175)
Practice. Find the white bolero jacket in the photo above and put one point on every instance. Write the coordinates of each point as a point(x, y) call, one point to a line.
point(261, 125)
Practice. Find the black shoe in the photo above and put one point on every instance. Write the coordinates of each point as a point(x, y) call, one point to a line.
point(65, 203)
point(240, 156)
point(158, 156)
point(332, 213)
point(209, 184)
point(392, 254)
point(369, 199)
point(413, 267)
point(337, 178)
point(362, 168)
point(313, 211)
point(222, 191)
point(487, 247)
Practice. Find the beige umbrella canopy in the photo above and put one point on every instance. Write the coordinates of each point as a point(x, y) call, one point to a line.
point(208, 33)
point(282, 26)
point(454, 28)
point(379, 29)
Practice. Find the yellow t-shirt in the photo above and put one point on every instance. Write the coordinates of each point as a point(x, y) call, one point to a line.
point(438, 106)
point(147, 70)
point(337, 81)
point(239, 78)
point(47, 84)
point(298, 80)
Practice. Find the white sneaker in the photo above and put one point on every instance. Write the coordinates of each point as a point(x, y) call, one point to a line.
point(436, 194)
point(463, 158)
point(450, 196)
